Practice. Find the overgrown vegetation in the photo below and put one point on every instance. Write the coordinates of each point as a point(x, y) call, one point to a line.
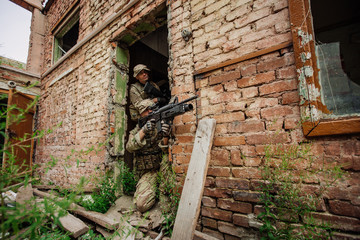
point(287, 205)
point(36, 219)
point(104, 197)
point(169, 195)
point(126, 179)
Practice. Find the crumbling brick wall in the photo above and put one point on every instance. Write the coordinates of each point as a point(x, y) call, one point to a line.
point(253, 99)
point(255, 102)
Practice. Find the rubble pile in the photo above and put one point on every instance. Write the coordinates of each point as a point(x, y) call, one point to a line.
point(120, 222)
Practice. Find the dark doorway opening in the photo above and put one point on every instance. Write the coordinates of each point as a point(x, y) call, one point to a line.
point(152, 51)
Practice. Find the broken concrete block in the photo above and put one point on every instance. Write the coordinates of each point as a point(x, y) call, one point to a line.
point(24, 194)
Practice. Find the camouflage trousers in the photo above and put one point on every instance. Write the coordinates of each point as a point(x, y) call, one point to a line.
point(146, 188)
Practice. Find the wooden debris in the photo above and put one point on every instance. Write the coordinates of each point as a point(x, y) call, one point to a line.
point(189, 205)
point(97, 218)
point(73, 225)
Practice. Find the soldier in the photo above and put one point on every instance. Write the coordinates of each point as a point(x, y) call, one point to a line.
point(138, 97)
point(146, 143)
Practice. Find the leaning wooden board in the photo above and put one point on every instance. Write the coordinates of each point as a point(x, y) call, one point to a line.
point(189, 205)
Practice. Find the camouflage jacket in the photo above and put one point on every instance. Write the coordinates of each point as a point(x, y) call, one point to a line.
point(147, 152)
point(139, 100)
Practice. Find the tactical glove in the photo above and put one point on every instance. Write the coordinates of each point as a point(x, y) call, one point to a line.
point(165, 128)
point(149, 126)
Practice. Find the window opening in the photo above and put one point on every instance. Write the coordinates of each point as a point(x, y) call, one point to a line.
point(337, 47)
point(67, 35)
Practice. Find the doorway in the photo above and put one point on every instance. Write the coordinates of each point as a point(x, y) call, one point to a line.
point(152, 51)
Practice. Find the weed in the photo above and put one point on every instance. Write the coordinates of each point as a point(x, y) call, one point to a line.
point(168, 194)
point(126, 179)
point(287, 207)
point(102, 200)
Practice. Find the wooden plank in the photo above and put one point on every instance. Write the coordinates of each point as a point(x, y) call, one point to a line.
point(74, 225)
point(96, 217)
point(189, 205)
point(244, 58)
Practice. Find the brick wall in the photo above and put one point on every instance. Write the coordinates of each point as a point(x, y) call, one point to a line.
point(79, 100)
point(254, 100)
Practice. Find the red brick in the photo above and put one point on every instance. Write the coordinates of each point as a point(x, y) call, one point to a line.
point(338, 222)
point(247, 173)
point(252, 161)
point(234, 206)
point(344, 209)
point(185, 139)
point(257, 79)
point(278, 87)
point(228, 76)
point(356, 163)
point(218, 172)
point(226, 97)
point(246, 126)
point(269, 138)
point(217, 193)
point(176, 149)
point(182, 159)
point(216, 213)
point(208, 222)
point(212, 109)
point(230, 86)
point(232, 183)
point(220, 157)
point(349, 148)
point(208, 202)
point(229, 141)
point(250, 92)
point(253, 113)
point(332, 149)
point(286, 72)
point(241, 220)
point(291, 123)
point(235, 106)
point(211, 91)
point(236, 158)
point(248, 70)
point(247, 196)
point(210, 182)
point(248, 150)
point(275, 112)
point(187, 128)
point(229, 117)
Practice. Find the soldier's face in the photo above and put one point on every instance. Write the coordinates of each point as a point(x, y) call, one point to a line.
point(143, 76)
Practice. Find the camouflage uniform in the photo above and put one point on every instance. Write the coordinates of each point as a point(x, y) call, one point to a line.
point(139, 99)
point(147, 159)
point(147, 152)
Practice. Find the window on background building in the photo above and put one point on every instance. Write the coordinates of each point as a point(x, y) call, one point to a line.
point(326, 37)
point(66, 34)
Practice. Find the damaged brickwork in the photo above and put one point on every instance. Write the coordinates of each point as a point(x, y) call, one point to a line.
point(241, 61)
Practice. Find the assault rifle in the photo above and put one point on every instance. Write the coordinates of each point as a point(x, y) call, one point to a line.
point(168, 112)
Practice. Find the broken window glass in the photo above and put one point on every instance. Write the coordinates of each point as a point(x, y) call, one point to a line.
point(337, 35)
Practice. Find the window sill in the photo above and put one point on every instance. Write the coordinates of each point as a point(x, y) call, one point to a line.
point(331, 127)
